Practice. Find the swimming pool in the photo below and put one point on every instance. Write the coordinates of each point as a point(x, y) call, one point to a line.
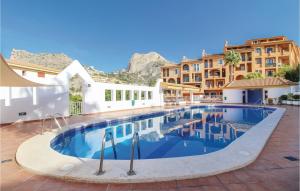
point(195, 130)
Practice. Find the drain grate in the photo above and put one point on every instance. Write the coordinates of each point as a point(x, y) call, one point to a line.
point(6, 160)
point(291, 158)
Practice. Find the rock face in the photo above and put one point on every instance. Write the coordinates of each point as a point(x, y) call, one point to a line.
point(146, 64)
point(143, 69)
point(56, 61)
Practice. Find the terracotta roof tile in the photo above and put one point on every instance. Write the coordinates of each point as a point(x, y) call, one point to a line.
point(264, 82)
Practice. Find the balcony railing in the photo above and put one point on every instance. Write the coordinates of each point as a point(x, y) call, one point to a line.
point(269, 65)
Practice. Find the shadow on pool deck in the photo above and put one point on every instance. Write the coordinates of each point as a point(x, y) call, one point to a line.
point(271, 171)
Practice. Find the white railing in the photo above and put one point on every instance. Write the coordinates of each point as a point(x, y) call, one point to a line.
point(75, 108)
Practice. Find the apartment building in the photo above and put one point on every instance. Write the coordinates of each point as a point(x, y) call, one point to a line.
point(210, 73)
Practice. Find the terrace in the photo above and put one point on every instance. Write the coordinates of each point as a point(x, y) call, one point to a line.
point(271, 171)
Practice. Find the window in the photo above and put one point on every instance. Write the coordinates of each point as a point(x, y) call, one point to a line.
point(128, 129)
point(127, 95)
point(150, 123)
point(269, 49)
point(266, 94)
point(210, 63)
point(258, 60)
point(144, 124)
point(269, 73)
point(269, 60)
point(108, 95)
point(205, 63)
point(220, 61)
point(143, 95)
point(196, 67)
point(149, 95)
point(136, 95)
point(242, 67)
point(243, 57)
point(118, 95)
point(41, 74)
point(186, 78)
point(119, 131)
point(176, 71)
point(197, 78)
point(206, 74)
point(186, 67)
point(258, 50)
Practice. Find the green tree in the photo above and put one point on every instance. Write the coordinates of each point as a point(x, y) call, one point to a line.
point(282, 71)
point(293, 74)
point(253, 75)
point(232, 58)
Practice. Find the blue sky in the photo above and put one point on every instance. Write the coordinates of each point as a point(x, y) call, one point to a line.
point(105, 33)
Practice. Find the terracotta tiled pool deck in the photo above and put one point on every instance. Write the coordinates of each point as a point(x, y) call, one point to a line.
point(270, 172)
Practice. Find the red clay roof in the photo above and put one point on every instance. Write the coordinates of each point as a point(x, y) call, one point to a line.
point(256, 83)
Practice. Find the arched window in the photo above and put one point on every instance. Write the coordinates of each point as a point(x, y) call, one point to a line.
point(171, 80)
point(186, 67)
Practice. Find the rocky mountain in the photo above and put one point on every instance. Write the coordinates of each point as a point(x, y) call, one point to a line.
point(56, 61)
point(146, 63)
point(143, 69)
point(147, 66)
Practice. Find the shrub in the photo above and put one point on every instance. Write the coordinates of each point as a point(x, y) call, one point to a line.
point(283, 97)
point(75, 98)
point(296, 97)
point(290, 96)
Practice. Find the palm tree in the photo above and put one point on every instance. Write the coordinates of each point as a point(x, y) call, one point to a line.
point(232, 58)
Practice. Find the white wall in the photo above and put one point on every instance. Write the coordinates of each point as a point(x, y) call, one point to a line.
point(232, 96)
point(236, 96)
point(94, 97)
point(35, 101)
point(53, 98)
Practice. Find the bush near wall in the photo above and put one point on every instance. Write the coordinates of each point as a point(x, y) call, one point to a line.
point(75, 98)
point(290, 97)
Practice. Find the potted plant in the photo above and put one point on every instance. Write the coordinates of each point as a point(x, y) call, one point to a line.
point(283, 99)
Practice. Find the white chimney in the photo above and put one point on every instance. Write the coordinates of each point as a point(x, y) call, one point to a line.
point(203, 53)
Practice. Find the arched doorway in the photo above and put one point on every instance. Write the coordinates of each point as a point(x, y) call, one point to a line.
point(75, 95)
point(171, 80)
point(240, 77)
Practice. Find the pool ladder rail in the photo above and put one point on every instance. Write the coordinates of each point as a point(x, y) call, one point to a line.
point(135, 140)
point(101, 171)
point(54, 118)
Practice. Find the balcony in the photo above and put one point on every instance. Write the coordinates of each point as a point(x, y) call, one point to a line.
point(270, 65)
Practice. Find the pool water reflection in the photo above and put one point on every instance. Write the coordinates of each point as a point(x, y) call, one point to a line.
point(185, 132)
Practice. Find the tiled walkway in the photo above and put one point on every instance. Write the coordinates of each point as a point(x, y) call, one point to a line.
point(271, 171)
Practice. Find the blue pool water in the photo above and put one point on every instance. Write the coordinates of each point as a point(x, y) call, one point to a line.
point(185, 132)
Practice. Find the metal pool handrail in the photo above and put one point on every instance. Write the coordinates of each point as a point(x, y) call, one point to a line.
point(135, 140)
point(64, 119)
point(53, 118)
point(43, 122)
point(101, 171)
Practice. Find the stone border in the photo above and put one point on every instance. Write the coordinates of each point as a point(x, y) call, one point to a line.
point(36, 155)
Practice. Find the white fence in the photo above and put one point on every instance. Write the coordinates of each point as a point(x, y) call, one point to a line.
point(75, 108)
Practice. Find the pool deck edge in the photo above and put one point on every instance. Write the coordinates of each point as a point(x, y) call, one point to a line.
point(34, 156)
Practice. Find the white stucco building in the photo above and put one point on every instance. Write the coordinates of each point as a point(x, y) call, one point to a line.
point(35, 103)
point(257, 91)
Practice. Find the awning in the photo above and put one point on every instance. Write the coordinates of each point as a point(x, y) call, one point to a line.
point(181, 87)
point(9, 78)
